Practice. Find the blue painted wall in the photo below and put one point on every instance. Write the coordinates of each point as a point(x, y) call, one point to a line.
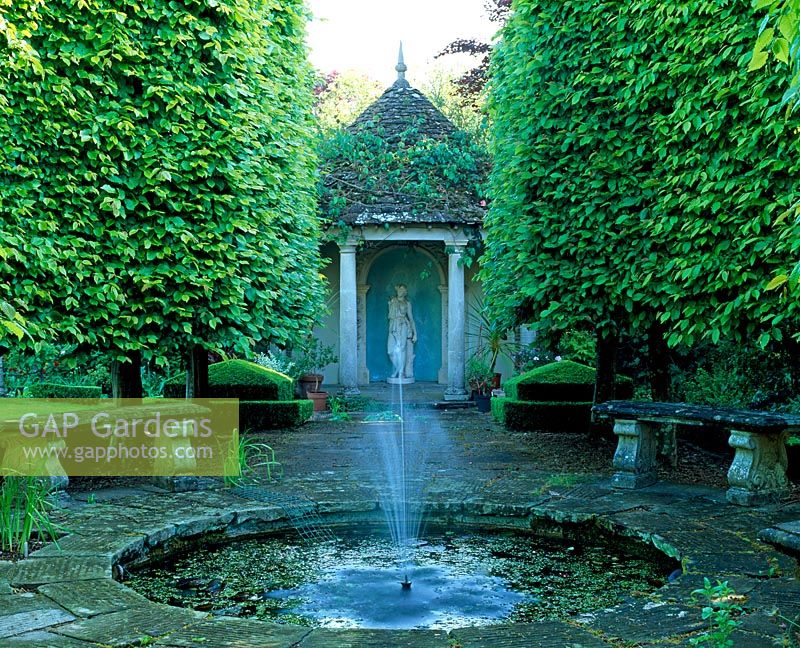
point(415, 269)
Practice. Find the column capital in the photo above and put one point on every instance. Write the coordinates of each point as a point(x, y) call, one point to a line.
point(347, 248)
point(455, 247)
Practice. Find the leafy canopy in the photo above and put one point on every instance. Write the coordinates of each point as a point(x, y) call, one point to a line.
point(161, 166)
point(637, 170)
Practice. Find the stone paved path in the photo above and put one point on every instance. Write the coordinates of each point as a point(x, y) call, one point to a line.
point(481, 474)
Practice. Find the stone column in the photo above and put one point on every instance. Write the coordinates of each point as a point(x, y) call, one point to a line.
point(348, 319)
point(758, 472)
point(635, 458)
point(455, 325)
point(363, 370)
point(442, 378)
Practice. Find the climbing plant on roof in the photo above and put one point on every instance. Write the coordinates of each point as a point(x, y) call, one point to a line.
point(165, 152)
point(409, 171)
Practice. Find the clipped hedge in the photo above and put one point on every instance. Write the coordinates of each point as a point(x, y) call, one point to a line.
point(553, 416)
point(270, 415)
point(564, 381)
point(240, 379)
point(55, 390)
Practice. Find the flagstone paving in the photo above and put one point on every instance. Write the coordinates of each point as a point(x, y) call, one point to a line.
point(65, 596)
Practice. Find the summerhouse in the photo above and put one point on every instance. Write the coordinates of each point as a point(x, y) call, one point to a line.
point(387, 238)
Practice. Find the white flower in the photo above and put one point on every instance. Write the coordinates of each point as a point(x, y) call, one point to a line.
point(558, 358)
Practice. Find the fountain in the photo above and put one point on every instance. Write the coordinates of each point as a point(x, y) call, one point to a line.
point(446, 579)
point(401, 506)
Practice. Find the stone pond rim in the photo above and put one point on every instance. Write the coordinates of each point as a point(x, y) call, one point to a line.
point(103, 537)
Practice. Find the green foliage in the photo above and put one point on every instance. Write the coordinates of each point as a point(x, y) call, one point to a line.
point(12, 324)
point(479, 375)
point(546, 416)
point(560, 381)
point(637, 171)
point(423, 173)
point(273, 415)
point(579, 346)
point(734, 376)
point(441, 87)
point(160, 171)
point(255, 462)
point(498, 409)
point(531, 356)
point(338, 407)
point(360, 403)
point(562, 372)
point(341, 97)
point(491, 339)
point(311, 356)
point(25, 509)
point(238, 379)
point(791, 636)
point(248, 381)
point(54, 390)
point(779, 39)
point(720, 611)
point(277, 361)
point(17, 22)
point(52, 363)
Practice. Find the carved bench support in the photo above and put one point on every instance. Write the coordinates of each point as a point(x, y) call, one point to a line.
point(635, 458)
point(758, 472)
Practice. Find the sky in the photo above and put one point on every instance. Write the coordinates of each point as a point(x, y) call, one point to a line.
point(364, 35)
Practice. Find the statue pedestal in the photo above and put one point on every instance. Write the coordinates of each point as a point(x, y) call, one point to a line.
point(400, 381)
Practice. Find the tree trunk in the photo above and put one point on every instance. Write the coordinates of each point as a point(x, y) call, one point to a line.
point(126, 377)
point(658, 363)
point(197, 373)
point(792, 350)
point(607, 347)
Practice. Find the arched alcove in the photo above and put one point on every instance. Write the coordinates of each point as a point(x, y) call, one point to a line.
point(422, 273)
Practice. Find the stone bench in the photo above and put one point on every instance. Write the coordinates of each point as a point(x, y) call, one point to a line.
point(758, 472)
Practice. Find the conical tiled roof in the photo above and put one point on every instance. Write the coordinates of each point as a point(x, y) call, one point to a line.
point(401, 116)
point(402, 107)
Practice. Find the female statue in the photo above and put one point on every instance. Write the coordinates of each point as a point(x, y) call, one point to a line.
point(402, 335)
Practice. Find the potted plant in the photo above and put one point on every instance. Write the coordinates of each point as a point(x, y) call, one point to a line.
point(492, 340)
point(311, 360)
point(480, 378)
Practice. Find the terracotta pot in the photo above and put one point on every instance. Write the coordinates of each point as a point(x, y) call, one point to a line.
point(496, 380)
point(309, 383)
point(320, 399)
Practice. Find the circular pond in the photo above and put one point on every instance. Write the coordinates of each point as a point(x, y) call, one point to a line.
point(457, 580)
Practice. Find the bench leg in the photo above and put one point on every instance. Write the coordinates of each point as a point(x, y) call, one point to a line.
point(667, 445)
point(635, 458)
point(758, 472)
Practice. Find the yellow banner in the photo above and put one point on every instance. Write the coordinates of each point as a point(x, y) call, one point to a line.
point(119, 437)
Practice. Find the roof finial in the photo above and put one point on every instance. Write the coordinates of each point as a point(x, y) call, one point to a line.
point(401, 65)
